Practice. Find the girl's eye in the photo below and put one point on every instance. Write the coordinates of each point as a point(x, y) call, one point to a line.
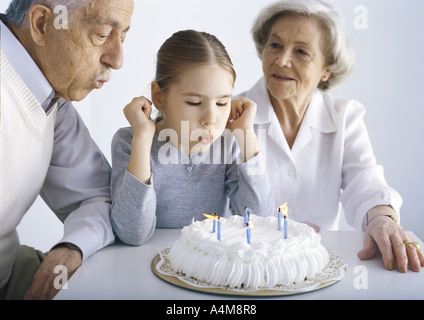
point(193, 103)
point(222, 104)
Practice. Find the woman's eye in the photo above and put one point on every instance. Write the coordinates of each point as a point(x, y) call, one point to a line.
point(274, 45)
point(221, 104)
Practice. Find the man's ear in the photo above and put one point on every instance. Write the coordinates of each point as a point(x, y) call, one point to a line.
point(157, 95)
point(38, 17)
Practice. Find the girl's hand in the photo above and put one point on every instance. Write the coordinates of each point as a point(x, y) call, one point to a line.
point(138, 115)
point(242, 115)
point(240, 122)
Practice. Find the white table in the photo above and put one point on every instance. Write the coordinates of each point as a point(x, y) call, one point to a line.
point(124, 272)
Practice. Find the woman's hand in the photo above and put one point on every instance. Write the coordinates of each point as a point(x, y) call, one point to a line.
point(240, 122)
point(395, 245)
point(138, 115)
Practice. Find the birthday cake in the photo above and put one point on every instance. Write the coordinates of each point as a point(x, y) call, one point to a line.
point(234, 255)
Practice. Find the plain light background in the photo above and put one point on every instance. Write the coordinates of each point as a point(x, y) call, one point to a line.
point(387, 79)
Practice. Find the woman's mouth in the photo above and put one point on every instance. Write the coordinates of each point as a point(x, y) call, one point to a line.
point(282, 77)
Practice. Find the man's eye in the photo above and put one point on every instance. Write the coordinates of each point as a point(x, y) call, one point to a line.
point(103, 36)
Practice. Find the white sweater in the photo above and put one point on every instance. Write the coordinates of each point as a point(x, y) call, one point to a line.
point(26, 143)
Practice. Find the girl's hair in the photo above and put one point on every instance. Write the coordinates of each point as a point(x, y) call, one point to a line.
point(335, 44)
point(189, 49)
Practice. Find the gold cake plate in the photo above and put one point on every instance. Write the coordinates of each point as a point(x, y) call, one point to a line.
point(333, 272)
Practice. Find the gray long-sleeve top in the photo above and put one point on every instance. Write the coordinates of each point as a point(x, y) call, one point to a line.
point(182, 188)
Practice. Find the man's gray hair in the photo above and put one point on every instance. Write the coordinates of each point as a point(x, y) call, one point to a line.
point(17, 13)
point(335, 45)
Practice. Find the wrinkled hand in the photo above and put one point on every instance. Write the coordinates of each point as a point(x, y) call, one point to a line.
point(138, 113)
point(386, 235)
point(43, 286)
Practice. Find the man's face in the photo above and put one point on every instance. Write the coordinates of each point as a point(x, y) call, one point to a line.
point(79, 59)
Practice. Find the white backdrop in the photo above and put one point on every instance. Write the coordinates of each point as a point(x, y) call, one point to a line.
point(387, 80)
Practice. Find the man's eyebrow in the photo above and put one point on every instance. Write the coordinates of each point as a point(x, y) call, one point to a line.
point(112, 22)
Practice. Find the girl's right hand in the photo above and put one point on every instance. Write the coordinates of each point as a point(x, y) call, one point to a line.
point(138, 115)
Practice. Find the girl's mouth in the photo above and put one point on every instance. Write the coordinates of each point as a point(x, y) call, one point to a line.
point(206, 139)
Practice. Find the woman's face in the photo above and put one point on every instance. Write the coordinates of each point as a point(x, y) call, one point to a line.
point(292, 60)
point(197, 107)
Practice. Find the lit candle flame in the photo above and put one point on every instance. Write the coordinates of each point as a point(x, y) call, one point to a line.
point(209, 216)
point(283, 209)
point(249, 225)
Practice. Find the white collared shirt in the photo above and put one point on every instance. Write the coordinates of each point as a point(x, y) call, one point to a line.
point(330, 163)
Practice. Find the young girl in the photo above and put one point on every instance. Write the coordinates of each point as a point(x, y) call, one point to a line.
point(169, 172)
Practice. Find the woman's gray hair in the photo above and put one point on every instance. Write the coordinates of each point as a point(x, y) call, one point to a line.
point(17, 13)
point(335, 46)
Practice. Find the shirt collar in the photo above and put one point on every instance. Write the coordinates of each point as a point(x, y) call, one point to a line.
point(25, 67)
point(316, 116)
point(259, 94)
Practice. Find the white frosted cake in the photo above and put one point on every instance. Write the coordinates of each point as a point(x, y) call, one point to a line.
point(232, 262)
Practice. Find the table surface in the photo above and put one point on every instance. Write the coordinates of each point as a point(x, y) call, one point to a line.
point(124, 272)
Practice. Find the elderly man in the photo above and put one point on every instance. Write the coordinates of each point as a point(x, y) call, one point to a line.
point(54, 52)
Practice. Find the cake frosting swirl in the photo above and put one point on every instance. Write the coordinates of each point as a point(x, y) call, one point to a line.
point(268, 260)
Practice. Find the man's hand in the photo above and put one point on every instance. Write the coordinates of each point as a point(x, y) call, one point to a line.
point(43, 287)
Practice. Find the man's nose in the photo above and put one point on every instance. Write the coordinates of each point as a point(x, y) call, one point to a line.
point(113, 56)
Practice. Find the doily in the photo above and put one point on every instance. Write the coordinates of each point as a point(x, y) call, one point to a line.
point(334, 271)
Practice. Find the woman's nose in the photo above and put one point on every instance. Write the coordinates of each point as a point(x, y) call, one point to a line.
point(284, 59)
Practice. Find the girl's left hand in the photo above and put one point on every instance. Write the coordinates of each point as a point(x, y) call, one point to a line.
point(242, 115)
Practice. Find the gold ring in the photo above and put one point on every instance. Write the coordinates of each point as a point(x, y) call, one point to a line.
point(415, 244)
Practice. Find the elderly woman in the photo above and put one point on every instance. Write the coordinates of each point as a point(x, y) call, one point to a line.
point(318, 152)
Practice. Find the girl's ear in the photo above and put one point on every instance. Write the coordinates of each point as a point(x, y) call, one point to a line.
point(157, 95)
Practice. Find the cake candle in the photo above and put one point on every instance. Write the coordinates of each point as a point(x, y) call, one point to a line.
point(279, 219)
point(219, 230)
point(248, 232)
point(245, 217)
point(214, 223)
point(285, 227)
point(282, 210)
point(213, 218)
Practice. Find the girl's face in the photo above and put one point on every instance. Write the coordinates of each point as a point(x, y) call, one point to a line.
point(197, 106)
